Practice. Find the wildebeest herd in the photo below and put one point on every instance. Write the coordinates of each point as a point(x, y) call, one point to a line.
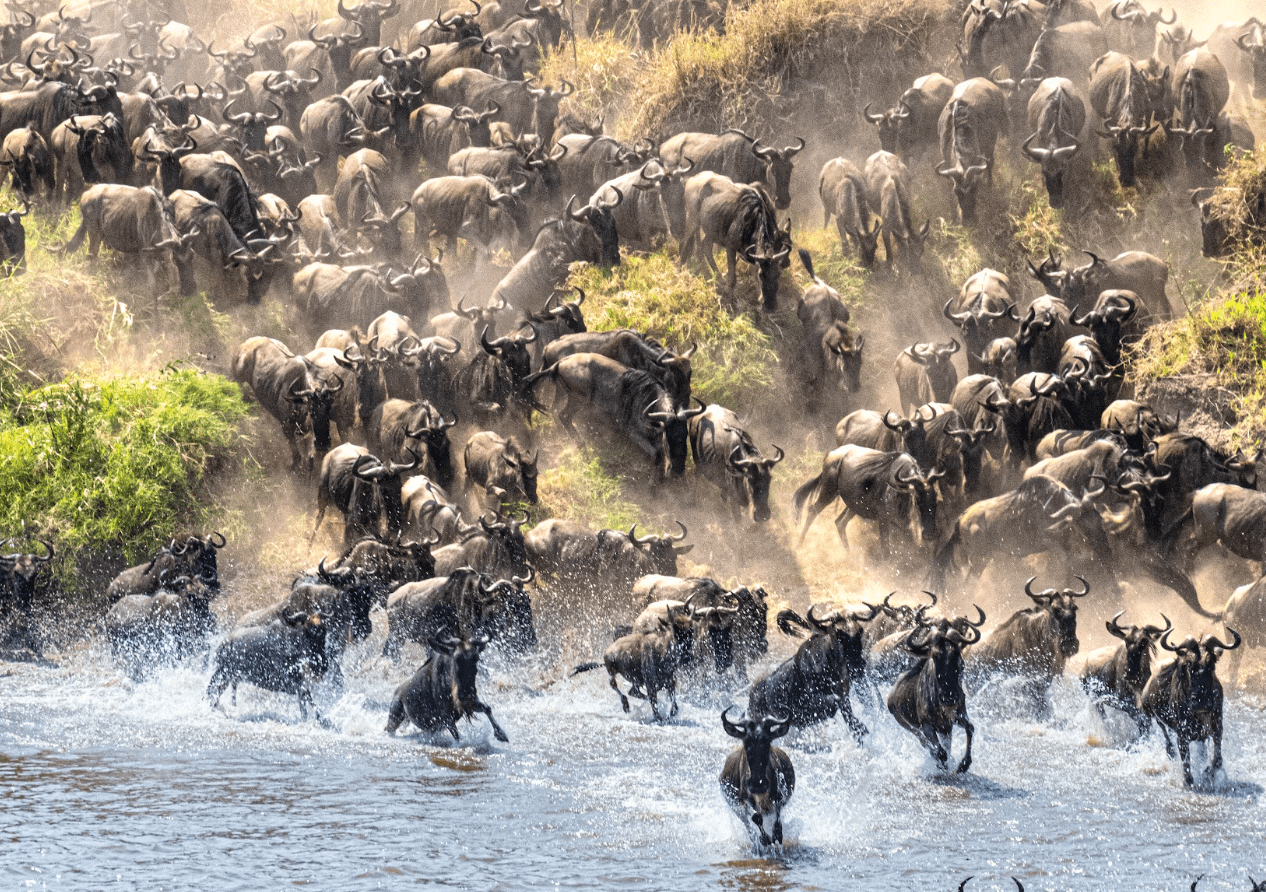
point(285, 163)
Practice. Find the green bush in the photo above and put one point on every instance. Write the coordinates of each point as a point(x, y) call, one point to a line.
point(735, 361)
point(114, 466)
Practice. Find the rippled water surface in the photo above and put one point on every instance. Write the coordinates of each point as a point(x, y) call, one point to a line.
point(146, 786)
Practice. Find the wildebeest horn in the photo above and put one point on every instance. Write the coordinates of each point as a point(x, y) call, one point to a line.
point(822, 624)
point(214, 536)
point(1210, 641)
point(1114, 628)
point(645, 540)
point(1154, 631)
point(871, 116)
point(734, 729)
point(1085, 588)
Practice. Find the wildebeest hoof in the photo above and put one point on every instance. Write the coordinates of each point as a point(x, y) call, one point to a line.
point(501, 735)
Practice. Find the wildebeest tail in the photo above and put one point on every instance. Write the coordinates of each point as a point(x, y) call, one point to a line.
point(583, 667)
point(76, 240)
point(1170, 536)
point(803, 494)
point(807, 261)
point(791, 623)
point(530, 382)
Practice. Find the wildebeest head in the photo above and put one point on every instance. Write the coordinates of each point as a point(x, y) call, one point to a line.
point(770, 261)
point(199, 553)
point(752, 623)
point(387, 478)
point(763, 795)
point(940, 646)
point(913, 434)
point(778, 166)
point(966, 186)
point(597, 214)
point(317, 398)
point(1199, 661)
point(746, 464)
point(842, 352)
point(1054, 161)
point(921, 486)
point(465, 656)
point(509, 201)
point(890, 123)
point(674, 372)
point(672, 423)
point(102, 145)
point(1140, 644)
point(167, 158)
point(511, 618)
point(545, 102)
point(716, 623)
point(662, 550)
point(1062, 612)
point(1253, 43)
point(23, 570)
point(844, 632)
point(13, 241)
point(513, 351)
point(252, 125)
point(1077, 521)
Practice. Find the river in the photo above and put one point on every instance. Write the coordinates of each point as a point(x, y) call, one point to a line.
point(114, 785)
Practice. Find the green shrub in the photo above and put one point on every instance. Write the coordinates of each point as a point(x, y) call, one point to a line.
point(735, 361)
point(581, 488)
point(114, 466)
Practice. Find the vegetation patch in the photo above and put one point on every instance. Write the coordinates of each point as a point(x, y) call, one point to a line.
point(580, 488)
point(604, 71)
point(741, 78)
point(111, 467)
point(735, 361)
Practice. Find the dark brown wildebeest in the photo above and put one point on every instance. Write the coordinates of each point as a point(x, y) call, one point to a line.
point(19, 573)
point(501, 468)
point(983, 310)
point(26, 156)
point(830, 353)
point(735, 155)
point(631, 400)
point(1035, 643)
point(1116, 675)
point(1185, 697)
point(288, 657)
point(742, 220)
point(649, 661)
point(1128, 101)
point(1201, 90)
point(928, 699)
point(1057, 115)
point(192, 556)
point(364, 489)
point(926, 374)
point(969, 127)
point(287, 388)
point(887, 488)
point(757, 780)
point(496, 549)
point(909, 128)
point(842, 189)
point(605, 564)
point(813, 685)
point(726, 454)
point(888, 192)
point(630, 348)
point(169, 625)
point(443, 689)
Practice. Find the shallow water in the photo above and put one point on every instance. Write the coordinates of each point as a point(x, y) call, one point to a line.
point(146, 786)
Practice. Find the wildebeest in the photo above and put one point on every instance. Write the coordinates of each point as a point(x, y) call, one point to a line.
point(928, 700)
point(830, 353)
point(888, 192)
point(496, 548)
point(632, 401)
point(982, 311)
point(1143, 274)
point(604, 564)
point(501, 467)
point(969, 127)
point(725, 454)
point(842, 189)
point(1232, 515)
point(910, 127)
point(813, 685)
point(1126, 99)
point(735, 155)
point(398, 426)
point(758, 779)
point(172, 623)
point(192, 556)
point(25, 155)
point(288, 657)
point(287, 389)
point(365, 490)
point(1201, 90)
point(1057, 115)
point(926, 374)
point(473, 208)
point(741, 219)
point(443, 689)
point(19, 574)
point(1035, 643)
point(13, 242)
point(887, 488)
point(131, 220)
point(1117, 674)
point(629, 348)
point(1185, 697)
point(649, 661)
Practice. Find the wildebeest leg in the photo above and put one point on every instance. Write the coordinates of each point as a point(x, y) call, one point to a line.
point(1215, 764)
point(1184, 753)
point(624, 701)
point(216, 686)
point(653, 696)
point(824, 498)
point(396, 715)
point(452, 728)
point(671, 687)
point(731, 272)
point(841, 524)
point(969, 729)
point(854, 723)
point(930, 740)
point(497, 731)
point(1169, 746)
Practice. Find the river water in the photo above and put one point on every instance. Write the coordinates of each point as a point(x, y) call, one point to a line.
point(113, 785)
